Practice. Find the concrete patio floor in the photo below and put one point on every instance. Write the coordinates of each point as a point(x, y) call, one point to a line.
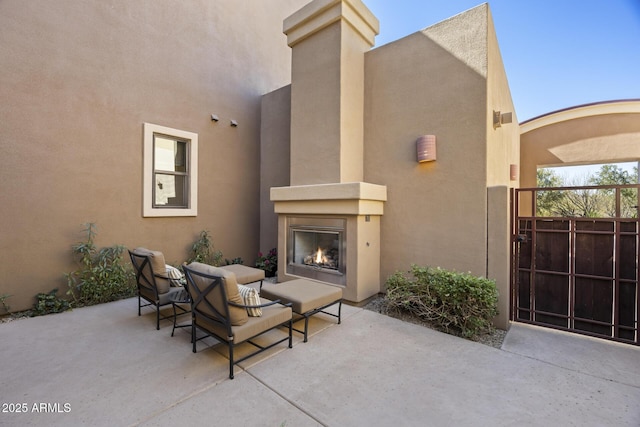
point(105, 366)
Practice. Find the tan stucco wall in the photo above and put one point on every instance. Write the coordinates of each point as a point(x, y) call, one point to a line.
point(431, 82)
point(503, 142)
point(499, 249)
point(328, 39)
point(79, 79)
point(369, 248)
point(503, 150)
point(320, 161)
point(606, 132)
point(274, 159)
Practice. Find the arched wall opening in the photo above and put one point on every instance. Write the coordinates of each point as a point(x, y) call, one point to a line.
point(604, 132)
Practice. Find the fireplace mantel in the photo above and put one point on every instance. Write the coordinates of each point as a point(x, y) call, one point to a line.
point(349, 198)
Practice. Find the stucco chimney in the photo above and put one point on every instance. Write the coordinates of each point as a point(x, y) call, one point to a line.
point(328, 39)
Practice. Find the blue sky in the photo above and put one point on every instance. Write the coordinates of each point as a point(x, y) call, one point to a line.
point(557, 53)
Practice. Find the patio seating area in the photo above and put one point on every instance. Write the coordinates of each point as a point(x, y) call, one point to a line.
point(104, 365)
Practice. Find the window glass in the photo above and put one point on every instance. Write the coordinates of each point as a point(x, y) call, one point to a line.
point(169, 154)
point(170, 191)
point(170, 172)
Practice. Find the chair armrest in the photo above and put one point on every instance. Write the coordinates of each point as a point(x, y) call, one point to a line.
point(261, 305)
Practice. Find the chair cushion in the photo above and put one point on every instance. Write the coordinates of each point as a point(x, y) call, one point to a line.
point(245, 274)
point(158, 266)
point(237, 315)
point(304, 295)
point(250, 296)
point(272, 316)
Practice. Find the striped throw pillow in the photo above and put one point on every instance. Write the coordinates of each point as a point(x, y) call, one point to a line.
point(250, 297)
point(175, 275)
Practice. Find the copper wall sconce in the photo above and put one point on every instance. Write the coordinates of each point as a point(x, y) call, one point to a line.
point(426, 148)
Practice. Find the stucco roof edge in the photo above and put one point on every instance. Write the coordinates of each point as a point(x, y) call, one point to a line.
point(621, 106)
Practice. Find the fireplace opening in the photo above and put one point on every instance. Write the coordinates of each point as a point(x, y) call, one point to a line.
point(317, 249)
point(327, 254)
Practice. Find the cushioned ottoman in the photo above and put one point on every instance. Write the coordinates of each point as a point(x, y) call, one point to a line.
point(245, 274)
point(306, 297)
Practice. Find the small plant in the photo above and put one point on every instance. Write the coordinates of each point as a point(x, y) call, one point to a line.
point(102, 276)
point(202, 251)
point(268, 262)
point(48, 303)
point(454, 302)
point(236, 260)
point(3, 301)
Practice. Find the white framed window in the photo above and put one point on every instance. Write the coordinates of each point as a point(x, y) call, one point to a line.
point(170, 172)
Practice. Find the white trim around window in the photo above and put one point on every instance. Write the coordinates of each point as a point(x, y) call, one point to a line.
point(188, 176)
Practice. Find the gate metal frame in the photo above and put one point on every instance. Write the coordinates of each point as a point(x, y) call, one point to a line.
point(572, 230)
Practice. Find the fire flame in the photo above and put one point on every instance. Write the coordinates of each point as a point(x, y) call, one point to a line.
point(320, 258)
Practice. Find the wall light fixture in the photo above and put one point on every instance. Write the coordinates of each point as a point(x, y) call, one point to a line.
point(500, 119)
point(513, 172)
point(426, 148)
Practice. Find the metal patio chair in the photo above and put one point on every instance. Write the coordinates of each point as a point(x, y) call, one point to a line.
point(217, 310)
point(154, 285)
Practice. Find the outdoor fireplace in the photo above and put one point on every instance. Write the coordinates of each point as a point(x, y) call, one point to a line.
point(328, 217)
point(316, 249)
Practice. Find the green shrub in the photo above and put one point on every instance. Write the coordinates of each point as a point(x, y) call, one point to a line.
point(3, 301)
point(454, 302)
point(202, 251)
point(103, 275)
point(49, 303)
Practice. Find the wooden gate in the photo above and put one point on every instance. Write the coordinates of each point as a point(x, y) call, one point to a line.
point(578, 274)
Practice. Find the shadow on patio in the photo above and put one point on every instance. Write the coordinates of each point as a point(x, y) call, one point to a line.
point(104, 365)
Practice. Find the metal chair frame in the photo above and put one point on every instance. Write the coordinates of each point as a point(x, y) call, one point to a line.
point(310, 313)
point(140, 263)
point(198, 298)
point(182, 297)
